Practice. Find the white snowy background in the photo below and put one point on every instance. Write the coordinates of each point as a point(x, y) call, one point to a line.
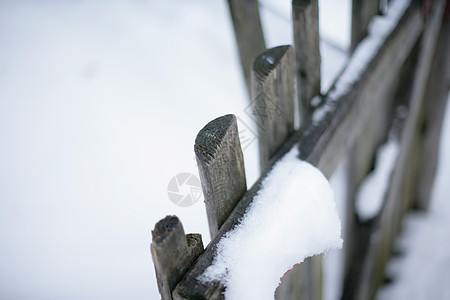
point(100, 103)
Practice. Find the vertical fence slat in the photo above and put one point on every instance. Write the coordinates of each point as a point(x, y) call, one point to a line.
point(272, 105)
point(408, 164)
point(362, 12)
point(361, 160)
point(221, 167)
point(435, 103)
point(273, 108)
point(303, 282)
point(248, 33)
point(305, 22)
point(305, 18)
point(173, 253)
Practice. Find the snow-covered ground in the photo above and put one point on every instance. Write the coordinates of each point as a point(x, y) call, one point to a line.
point(100, 103)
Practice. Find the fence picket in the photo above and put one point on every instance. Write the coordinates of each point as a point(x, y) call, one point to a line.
point(273, 100)
point(273, 106)
point(305, 18)
point(248, 33)
point(435, 103)
point(173, 253)
point(221, 167)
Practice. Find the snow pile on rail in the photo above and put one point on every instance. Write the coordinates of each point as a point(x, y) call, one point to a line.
point(292, 217)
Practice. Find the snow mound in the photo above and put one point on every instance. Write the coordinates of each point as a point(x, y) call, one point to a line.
point(292, 217)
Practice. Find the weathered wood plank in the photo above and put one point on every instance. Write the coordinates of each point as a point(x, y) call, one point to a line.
point(362, 12)
point(304, 281)
point(221, 168)
point(305, 18)
point(173, 253)
point(435, 103)
point(399, 195)
point(273, 100)
point(361, 159)
point(323, 142)
point(248, 33)
point(408, 163)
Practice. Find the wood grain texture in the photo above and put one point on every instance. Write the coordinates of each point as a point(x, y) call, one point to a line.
point(248, 33)
point(272, 106)
point(173, 253)
point(221, 168)
point(305, 21)
point(323, 143)
point(362, 12)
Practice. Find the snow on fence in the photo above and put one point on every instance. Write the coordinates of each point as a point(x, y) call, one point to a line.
point(399, 86)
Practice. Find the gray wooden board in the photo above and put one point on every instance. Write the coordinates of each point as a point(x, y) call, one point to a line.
point(273, 99)
point(173, 253)
point(273, 107)
point(221, 167)
point(305, 22)
point(304, 281)
point(248, 33)
point(409, 139)
point(360, 160)
point(435, 103)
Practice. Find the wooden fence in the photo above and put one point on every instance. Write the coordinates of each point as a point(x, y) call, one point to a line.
point(408, 69)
